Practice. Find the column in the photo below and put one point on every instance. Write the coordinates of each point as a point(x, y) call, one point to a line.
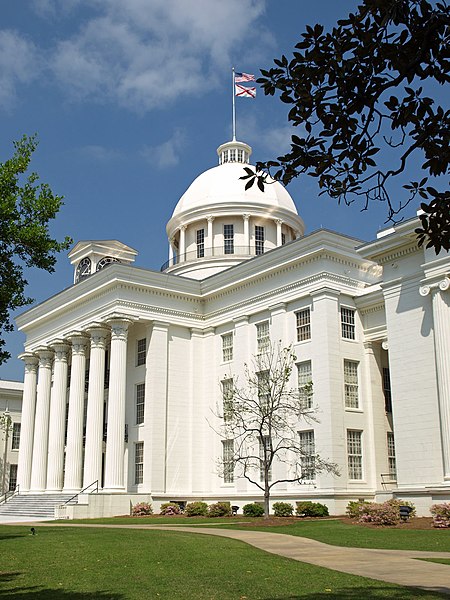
point(40, 441)
point(115, 443)
point(246, 219)
point(171, 263)
point(210, 237)
point(57, 426)
point(27, 427)
point(441, 318)
point(182, 243)
point(74, 445)
point(279, 223)
point(94, 417)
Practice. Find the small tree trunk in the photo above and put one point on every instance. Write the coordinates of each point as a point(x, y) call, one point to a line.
point(266, 497)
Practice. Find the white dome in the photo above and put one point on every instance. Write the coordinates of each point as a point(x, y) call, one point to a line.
point(221, 185)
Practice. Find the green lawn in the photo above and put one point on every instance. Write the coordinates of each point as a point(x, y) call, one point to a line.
point(331, 531)
point(120, 564)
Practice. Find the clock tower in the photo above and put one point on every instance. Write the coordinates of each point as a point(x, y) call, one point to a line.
point(90, 256)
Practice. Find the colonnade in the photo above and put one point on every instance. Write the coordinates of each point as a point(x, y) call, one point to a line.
point(46, 462)
point(209, 240)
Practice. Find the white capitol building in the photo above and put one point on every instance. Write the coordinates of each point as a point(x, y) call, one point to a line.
point(123, 368)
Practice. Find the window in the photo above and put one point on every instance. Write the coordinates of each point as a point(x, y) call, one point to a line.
point(141, 351)
point(228, 462)
point(228, 239)
point(140, 403)
point(308, 458)
point(262, 337)
point(264, 449)
point(305, 384)
point(387, 390)
point(348, 323)
point(264, 391)
point(227, 398)
point(227, 347)
point(15, 439)
point(233, 155)
point(354, 454)
point(240, 156)
point(139, 462)
point(12, 478)
point(283, 239)
point(200, 243)
point(303, 325)
point(259, 239)
point(351, 384)
point(391, 456)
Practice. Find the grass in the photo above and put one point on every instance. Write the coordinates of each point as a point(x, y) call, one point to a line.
point(120, 564)
point(332, 531)
point(443, 561)
point(337, 533)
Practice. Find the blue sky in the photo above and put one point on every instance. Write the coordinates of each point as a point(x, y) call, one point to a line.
point(131, 98)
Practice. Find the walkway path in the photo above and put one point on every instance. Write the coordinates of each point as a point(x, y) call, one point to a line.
point(394, 566)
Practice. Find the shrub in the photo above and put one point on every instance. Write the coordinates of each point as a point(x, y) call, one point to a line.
point(219, 509)
point(170, 509)
point(441, 515)
point(142, 509)
point(196, 509)
point(354, 508)
point(311, 509)
point(253, 510)
point(283, 509)
point(386, 513)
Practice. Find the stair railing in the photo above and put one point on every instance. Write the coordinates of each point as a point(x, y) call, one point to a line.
point(8, 495)
point(95, 490)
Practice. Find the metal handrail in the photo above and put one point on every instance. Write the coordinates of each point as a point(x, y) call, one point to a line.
point(214, 252)
point(8, 495)
point(83, 490)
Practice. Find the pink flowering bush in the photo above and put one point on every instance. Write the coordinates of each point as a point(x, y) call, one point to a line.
point(170, 509)
point(441, 515)
point(379, 514)
point(142, 509)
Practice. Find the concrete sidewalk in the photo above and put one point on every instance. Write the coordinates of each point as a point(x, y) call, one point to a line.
point(394, 566)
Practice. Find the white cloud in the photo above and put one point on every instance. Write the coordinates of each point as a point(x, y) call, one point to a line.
point(19, 65)
point(167, 154)
point(271, 140)
point(144, 54)
point(100, 153)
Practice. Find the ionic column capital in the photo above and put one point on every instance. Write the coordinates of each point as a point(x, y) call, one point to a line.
point(441, 285)
point(245, 216)
point(210, 218)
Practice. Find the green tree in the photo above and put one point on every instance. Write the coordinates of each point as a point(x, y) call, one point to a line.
point(26, 208)
point(260, 422)
point(361, 88)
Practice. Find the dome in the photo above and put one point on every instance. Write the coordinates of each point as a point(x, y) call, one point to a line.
point(222, 185)
point(217, 223)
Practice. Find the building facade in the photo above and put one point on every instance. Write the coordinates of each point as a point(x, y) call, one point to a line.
point(10, 425)
point(124, 369)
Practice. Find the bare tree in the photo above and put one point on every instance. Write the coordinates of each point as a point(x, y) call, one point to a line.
point(260, 424)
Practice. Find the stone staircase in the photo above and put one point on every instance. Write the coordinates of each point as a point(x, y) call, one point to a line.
point(32, 506)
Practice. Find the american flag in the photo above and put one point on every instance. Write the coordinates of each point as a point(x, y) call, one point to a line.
point(240, 77)
point(245, 92)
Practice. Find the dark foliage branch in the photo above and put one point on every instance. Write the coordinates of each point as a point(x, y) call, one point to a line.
point(359, 88)
point(26, 208)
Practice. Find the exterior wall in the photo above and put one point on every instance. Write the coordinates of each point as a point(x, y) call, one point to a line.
point(10, 403)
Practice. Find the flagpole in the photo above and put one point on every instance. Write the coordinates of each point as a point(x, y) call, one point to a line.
point(234, 108)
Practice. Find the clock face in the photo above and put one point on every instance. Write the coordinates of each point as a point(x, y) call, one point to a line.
point(105, 261)
point(83, 269)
